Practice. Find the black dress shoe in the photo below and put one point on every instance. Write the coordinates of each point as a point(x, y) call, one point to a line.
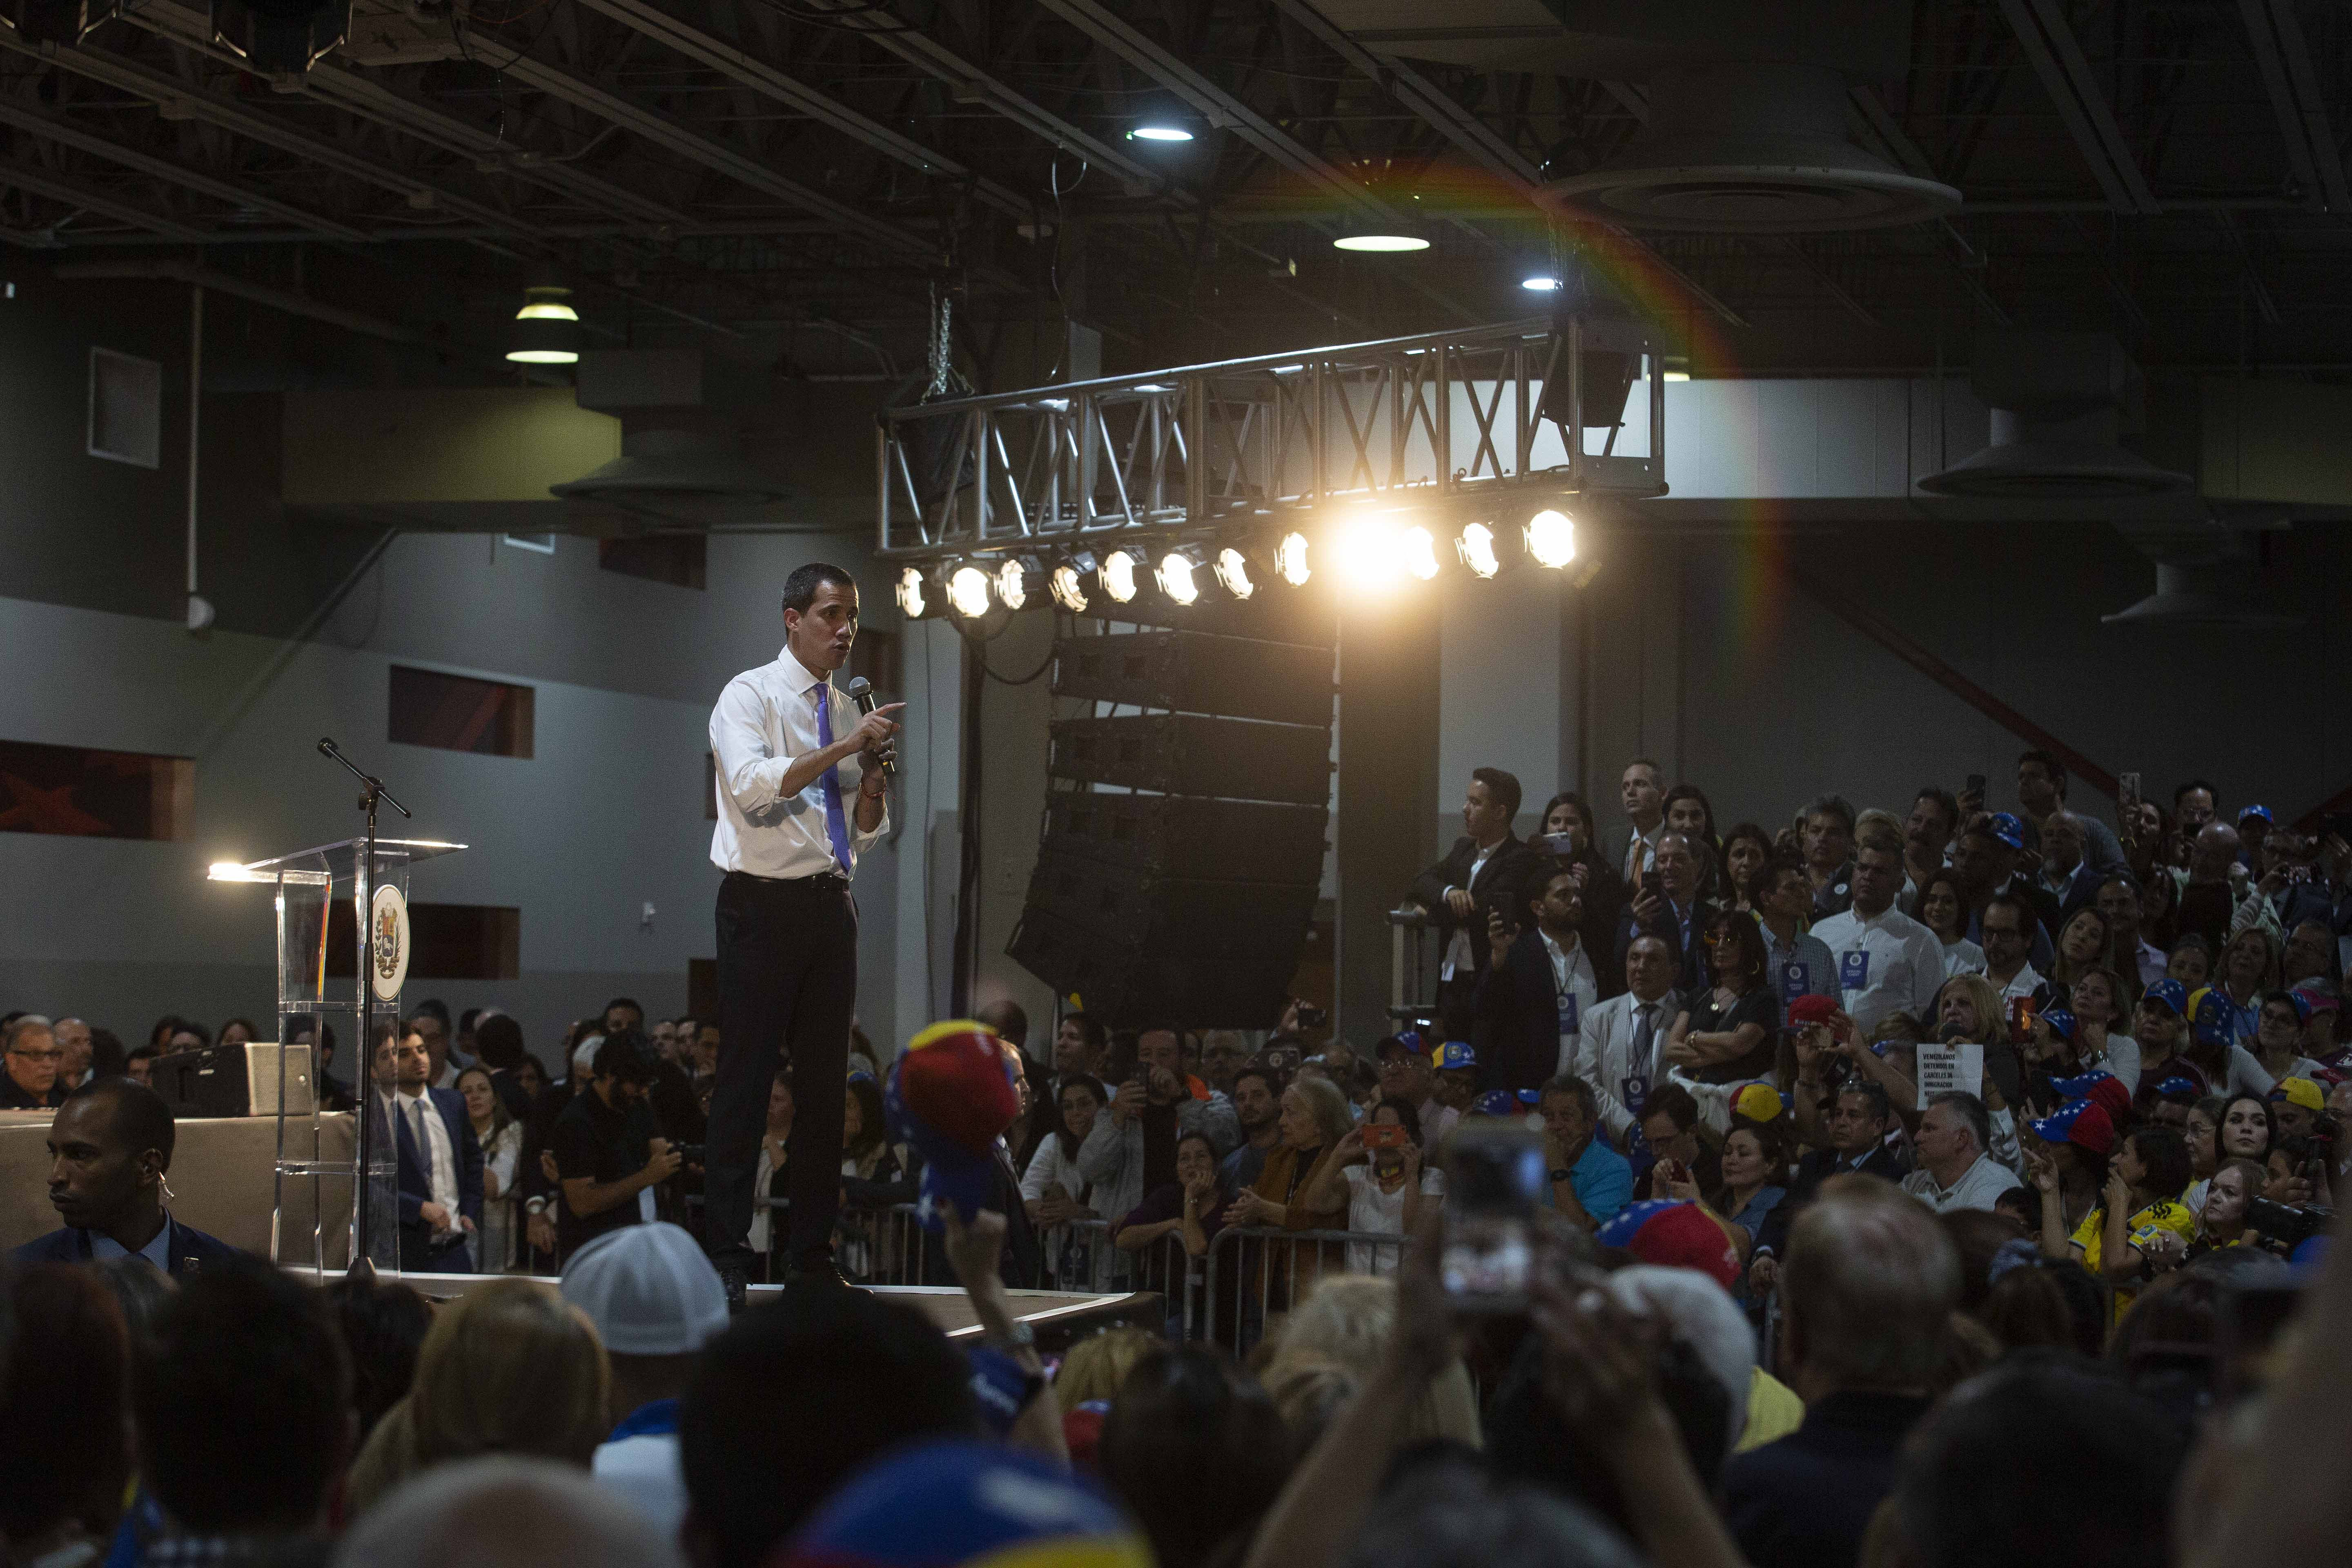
point(735, 1278)
point(817, 1275)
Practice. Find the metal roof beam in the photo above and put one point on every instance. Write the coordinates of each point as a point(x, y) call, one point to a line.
point(2284, 60)
point(2049, 46)
point(74, 193)
point(54, 128)
point(1221, 107)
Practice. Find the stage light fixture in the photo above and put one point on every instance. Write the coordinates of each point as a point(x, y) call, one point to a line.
point(1476, 545)
point(1019, 582)
point(1551, 538)
point(1290, 559)
point(1417, 552)
point(914, 594)
point(1158, 133)
point(1233, 572)
point(1118, 574)
point(968, 591)
point(1369, 551)
point(1179, 574)
point(547, 328)
point(1068, 581)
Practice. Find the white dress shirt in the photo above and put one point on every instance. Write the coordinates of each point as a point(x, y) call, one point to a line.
point(2024, 983)
point(1886, 961)
point(765, 721)
point(1962, 956)
point(1571, 980)
point(1459, 958)
point(431, 1133)
point(1606, 1060)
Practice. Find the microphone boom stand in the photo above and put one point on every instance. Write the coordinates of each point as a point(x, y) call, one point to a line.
point(363, 1261)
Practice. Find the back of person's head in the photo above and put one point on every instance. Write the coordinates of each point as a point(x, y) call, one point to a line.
point(505, 1511)
point(1310, 1392)
point(243, 1403)
point(1866, 1285)
point(509, 1368)
point(64, 1394)
point(1451, 1512)
point(627, 1055)
point(1347, 1318)
point(2165, 1345)
point(140, 1290)
point(1976, 1234)
point(983, 1504)
point(2048, 1304)
point(1701, 1313)
point(1196, 1449)
point(1094, 1368)
point(498, 1040)
point(649, 1290)
point(383, 1323)
point(795, 1397)
point(2046, 1459)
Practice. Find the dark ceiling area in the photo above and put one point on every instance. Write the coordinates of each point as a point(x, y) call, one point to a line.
point(803, 179)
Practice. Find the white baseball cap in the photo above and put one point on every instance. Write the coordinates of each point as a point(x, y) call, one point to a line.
point(649, 1290)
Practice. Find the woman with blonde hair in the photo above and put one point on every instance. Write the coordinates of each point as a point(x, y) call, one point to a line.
point(508, 1368)
point(1096, 1366)
point(1345, 1323)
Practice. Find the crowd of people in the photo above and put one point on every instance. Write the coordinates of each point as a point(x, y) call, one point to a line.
point(1942, 1188)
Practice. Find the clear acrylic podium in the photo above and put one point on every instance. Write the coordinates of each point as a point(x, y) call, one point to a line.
point(309, 883)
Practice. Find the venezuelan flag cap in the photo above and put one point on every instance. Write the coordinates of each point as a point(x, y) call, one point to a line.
point(966, 1505)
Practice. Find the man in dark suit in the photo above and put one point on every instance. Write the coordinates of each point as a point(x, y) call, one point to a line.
point(1667, 905)
point(1476, 874)
point(440, 1160)
point(1539, 985)
point(109, 1149)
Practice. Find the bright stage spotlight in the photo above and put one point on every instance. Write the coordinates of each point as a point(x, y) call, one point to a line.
point(1179, 574)
point(1476, 545)
point(1417, 552)
point(1290, 559)
point(1068, 581)
point(1233, 572)
point(914, 594)
point(1551, 538)
point(968, 591)
point(1019, 580)
point(1118, 574)
point(1367, 551)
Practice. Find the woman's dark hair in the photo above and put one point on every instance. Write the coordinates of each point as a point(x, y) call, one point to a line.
point(498, 1040)
point(1753, 834)
point(1094, 1087)
point(2270, 1128)
point(2026, 1199)
point(251, 1032)
point(1692, 792)
point(871, 1130)
point(1950, 879)
point(1772, 1142)
point(2165, 1152)
point(500, 1118)
point(2164, 1346)
point(1197, 1451)
point(383, 1325)
point(1977, 1235)
point(2047, 1302)
point(1569, 799)
point(64, 1429)
point(1203, 1140)
point(1753, 966)
point(167, 1026)
point(1407, 1113)
point(106, 1055)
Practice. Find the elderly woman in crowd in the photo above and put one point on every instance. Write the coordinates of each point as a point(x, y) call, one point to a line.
point(1314, 1117)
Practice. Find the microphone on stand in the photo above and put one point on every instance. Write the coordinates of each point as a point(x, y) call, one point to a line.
point(861, 691)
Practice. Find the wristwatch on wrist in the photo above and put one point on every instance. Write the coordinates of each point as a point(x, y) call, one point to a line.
point(1019, 1335)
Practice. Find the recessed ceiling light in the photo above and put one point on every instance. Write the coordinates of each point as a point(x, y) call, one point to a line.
point(1160, 133)
point(1541, 283)
point(1381, 242)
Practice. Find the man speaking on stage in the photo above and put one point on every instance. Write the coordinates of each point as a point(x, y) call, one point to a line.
point(800, 784)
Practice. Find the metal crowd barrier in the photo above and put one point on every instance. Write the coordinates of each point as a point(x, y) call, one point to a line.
point(1254, 1273)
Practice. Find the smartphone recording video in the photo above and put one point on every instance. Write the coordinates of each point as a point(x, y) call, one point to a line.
point(1494, 1180)
point(1384, 1135)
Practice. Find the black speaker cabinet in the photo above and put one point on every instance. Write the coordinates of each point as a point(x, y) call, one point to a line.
point(1189, 835)
point(1189, 753)
point(1241, 678)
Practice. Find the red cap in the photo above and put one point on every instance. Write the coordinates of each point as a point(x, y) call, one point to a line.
point(1686, 1236)
point(2113, 1097)
point(1811, 1008)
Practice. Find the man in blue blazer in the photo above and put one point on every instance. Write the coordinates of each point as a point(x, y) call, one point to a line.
point(440, 1160)
point(108, 1150)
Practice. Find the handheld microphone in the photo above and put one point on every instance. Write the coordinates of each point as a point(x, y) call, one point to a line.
point(861, 691)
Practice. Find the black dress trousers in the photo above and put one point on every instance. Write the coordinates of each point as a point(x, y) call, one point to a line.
point(787, 984)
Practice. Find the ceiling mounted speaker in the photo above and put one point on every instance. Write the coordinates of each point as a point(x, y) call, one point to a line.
point(2203, 596)
point(1751, 148)
point(2058, 400)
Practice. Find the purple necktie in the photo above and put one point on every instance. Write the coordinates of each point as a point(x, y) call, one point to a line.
point(837, 826)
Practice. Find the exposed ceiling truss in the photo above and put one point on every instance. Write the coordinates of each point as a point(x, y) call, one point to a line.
point(2171, 169)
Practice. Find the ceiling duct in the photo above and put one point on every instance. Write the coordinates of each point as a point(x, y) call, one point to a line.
point(2205, 576)
point(2059, 401)
point(682, 461)
point(1752, 147)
